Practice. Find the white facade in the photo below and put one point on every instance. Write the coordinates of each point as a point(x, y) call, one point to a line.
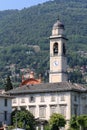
point(5, 109)
point(44, 104)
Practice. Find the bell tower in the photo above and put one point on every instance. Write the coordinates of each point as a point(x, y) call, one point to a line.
point(58, 61)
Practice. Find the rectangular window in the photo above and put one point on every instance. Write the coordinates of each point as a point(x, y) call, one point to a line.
point(32, 110)
point(14, 101)
point(5, 101)
point(32, 99)
point(63, 110)
point(83, 97)
point(75, 110)
point(62, 98)
point(22, 100)
point(5, 115)
point(42, 98)
point(84, 104)
point(42, 111)
point(52, 98)
point(52, 109)
point(75, 98)
point(84, 109)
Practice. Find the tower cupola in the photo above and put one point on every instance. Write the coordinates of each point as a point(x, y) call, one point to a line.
point(58, 28)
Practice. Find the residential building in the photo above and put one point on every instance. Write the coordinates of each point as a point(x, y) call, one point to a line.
point(5, 109)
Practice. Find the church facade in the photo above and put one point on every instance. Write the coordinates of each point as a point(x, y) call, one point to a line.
point(57, 96)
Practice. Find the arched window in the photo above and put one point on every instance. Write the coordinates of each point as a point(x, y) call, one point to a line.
point(55, 48)
point(64, 49)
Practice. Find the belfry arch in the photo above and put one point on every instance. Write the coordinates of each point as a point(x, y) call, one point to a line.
point(55, 48)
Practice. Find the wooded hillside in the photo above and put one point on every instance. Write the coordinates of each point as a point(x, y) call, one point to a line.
point(22, 30)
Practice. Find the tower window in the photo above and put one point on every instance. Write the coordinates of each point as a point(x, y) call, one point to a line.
point(64, 49)
point(55, 48)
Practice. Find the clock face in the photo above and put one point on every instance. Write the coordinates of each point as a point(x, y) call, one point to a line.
point(55, 63)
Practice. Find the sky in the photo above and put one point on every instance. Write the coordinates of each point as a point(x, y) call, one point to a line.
point(18, 4)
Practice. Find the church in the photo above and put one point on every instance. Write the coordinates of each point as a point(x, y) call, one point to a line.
point(57, 96)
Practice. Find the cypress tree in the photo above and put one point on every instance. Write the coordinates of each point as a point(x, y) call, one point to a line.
point(8, 85)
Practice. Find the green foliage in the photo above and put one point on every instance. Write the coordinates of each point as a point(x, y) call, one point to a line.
point(78, 122)
point(32, 26)
point(56, 121)
point(8, 85)
point(73, 123)
point(10, 127)
point(76, 77)
point(82, 120)
point(23, 119)
point(46, 127)
point(75, 59)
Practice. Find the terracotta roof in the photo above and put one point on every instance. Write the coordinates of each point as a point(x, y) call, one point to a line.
point(49, 87)
point(30, 81)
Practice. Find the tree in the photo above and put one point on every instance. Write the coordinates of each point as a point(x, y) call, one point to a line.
point(76, 77)
point(8, 85)
point(78, 122)
point(73, 123)
point(82, 121)
point(23, 119)
point(56, 121)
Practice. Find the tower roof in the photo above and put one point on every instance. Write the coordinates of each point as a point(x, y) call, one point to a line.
point(58, 24)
